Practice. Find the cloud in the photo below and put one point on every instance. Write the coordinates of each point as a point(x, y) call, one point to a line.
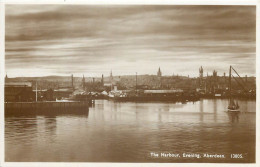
point(93, 40)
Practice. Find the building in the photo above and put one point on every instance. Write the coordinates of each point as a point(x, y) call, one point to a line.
point(63, 92)
point(45, 95)
point(19, 92)
point(163, 92)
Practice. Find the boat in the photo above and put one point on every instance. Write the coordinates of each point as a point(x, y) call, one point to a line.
point(232, 106)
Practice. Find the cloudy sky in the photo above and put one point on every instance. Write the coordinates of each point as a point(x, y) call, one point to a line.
point(46, 40)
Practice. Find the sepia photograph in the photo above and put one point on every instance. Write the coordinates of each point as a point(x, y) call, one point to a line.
point(130, 83)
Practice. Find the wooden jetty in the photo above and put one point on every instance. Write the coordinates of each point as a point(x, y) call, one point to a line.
point(46, 107)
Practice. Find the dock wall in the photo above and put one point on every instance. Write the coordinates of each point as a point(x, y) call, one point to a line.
point(45, 107)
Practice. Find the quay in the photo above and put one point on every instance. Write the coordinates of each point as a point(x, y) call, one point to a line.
point(46, 107)
point(156, 99)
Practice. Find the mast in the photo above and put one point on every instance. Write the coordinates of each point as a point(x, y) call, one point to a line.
point(36, 91)
point(230, 82)
point(136, 82)
point(232, 105)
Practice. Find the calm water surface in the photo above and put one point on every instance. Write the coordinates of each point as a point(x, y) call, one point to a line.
point(129, 132)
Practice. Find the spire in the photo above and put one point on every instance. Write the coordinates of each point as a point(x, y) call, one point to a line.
point(159, 73)
point(83, 78)
point(214, 73)
point(83, 82)
point(102, 80)
point(111, 75)
point(201, 72)
point(72, 81)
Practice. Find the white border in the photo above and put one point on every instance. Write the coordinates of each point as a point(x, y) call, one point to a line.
point(124, 2)
point(257, 84)
point(2, 67)
point(137, 2)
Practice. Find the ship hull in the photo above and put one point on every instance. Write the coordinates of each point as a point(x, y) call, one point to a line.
point(230, 110)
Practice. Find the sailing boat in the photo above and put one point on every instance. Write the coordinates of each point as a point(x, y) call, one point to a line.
point(232, 106)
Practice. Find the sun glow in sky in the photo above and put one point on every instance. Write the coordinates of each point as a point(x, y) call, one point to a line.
point(92, 40)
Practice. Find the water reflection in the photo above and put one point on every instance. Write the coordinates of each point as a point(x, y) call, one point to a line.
point(233, 116)
point(128, 132)
point(215, 110)
point(51, 124)
point(201, 110)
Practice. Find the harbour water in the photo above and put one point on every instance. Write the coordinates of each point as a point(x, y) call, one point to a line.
point(131, 132)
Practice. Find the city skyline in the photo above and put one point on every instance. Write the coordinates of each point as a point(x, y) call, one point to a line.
point(93, 40)
point(107, 75)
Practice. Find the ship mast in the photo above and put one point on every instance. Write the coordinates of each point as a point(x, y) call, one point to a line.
point(230, 82)
point(36, 92)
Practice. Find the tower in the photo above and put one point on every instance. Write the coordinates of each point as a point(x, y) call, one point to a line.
point(215, 80)
point(201, 72)
point(102, 80)
point(214, 73)
point(224, 85)
point(159, 73)
point(111, 80)
point(201, 77)
point(111, 77)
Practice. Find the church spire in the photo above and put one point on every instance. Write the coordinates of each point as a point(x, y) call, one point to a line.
point(102, 80)
point(111, 75)
point(83, 82)
point(159, 73)
point(201, 72)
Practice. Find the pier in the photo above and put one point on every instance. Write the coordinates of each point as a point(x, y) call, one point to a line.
point(46, 107)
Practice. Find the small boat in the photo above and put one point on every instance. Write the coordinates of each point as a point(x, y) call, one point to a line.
point(232, 106)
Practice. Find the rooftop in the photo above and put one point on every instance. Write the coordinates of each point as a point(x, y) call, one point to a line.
point(18, 84)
